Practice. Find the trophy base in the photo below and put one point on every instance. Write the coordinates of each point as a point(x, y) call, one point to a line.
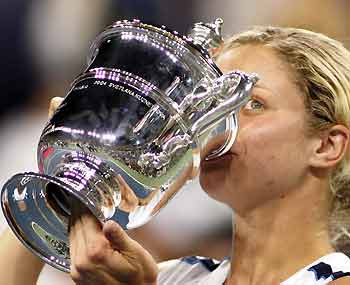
point(38, 214)
point(37, 207)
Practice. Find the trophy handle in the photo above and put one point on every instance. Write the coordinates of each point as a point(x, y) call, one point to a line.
point(215, 101)
point(207, 35)
point(230, 92)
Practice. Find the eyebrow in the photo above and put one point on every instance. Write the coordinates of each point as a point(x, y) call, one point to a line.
point(264, 87)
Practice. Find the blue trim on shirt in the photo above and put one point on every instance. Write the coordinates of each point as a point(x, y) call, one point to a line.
point(208, 263)
point(323, 271)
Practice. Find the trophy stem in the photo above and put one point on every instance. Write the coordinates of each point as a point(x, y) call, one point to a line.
point(92, 183)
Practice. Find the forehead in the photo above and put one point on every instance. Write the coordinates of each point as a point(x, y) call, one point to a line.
point(251, 58)
point(264, 61)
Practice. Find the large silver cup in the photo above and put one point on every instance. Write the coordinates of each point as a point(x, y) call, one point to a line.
point(130, 133)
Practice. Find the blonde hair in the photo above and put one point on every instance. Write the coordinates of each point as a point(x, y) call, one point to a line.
point(322, 71)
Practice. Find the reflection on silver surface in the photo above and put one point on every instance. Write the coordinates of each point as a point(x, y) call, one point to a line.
point(128, 135)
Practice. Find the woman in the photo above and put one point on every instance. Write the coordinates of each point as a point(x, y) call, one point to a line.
point(286, 177)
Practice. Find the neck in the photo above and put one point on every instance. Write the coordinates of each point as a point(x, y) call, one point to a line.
point(279, 238)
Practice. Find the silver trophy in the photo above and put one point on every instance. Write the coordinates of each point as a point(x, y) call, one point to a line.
point(130, 133)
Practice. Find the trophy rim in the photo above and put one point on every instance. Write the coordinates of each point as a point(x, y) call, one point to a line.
point(183, 40)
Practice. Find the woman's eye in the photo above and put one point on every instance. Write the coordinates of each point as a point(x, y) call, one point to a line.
point(254, 105)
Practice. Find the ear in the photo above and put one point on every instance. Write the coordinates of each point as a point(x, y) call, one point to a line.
point(330, 147)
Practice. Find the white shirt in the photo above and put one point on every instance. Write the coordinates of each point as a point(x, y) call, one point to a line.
point(206, 271)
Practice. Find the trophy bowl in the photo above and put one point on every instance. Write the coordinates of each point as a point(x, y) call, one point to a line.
point(129, 134)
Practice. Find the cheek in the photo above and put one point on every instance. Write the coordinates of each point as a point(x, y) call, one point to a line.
point(275, 148)
point(270, 160)
point(273, 138)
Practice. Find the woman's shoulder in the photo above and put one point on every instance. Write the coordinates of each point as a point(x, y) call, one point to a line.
point(334, 266)
point(193, 270)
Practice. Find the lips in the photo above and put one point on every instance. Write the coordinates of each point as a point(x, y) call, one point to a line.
point(225, 156)
point(217, 162)
point(213, 145)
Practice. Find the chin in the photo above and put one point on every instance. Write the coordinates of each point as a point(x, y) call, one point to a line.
point(216, 185)
point(213, 183)
point(213, 173)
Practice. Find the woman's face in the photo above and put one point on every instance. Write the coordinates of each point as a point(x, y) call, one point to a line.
point(270, 155)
